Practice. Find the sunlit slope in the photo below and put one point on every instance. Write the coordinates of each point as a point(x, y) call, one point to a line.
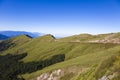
point(14, 42)
point(86, 59)
point(106, 38)
point(76, 53)
point(76, 38)
point(45, 47)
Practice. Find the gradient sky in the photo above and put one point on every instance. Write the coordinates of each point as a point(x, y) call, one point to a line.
point(60, 17)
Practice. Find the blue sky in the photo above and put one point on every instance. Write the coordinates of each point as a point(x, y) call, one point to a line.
point(60, 17)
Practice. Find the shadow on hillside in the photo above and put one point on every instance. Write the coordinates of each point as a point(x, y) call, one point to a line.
point(4, 45)
point(11, 65)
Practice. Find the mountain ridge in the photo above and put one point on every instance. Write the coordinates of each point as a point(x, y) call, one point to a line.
point(3, 37)
point(93, 60)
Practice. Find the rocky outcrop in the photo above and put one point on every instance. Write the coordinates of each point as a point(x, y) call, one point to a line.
point(108, 39)
point(59, 73)
point(55, 75)
point(109, 77)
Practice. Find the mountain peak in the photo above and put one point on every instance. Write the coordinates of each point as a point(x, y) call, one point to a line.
point(50, 35)
point(20, 39)
point(26, 35)
point(46, 38)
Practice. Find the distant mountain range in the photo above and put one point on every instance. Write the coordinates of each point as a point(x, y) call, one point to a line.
point(2, 37)
point(9, 34)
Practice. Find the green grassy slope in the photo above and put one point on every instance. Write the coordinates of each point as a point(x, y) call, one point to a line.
point(19, 40)
point(85, 60)
point(76, 53)
point(89, 37)
point(77, 38)
point(14, 42)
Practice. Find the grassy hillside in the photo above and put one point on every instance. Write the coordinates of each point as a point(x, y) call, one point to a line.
point(77, 38)
point(85, 60)
point(14, 42)
point(91, 38)
point(81, 54)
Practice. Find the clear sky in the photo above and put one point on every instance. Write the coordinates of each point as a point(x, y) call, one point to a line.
point(60, 17)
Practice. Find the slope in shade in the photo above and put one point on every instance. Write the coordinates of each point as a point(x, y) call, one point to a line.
point(11, 66)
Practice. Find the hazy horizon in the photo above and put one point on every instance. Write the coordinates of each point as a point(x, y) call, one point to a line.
point(60, 17)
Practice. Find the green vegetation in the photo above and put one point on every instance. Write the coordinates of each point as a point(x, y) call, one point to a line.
point(87, 75)
point(77, 38)
point(105, 56)
point(89, 37)
point(109, 67)
point(11, 66)
point(14, 42)
point(67, 76)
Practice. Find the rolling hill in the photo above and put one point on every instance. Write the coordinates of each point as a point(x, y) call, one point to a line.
point(101, 38)
point(78, 57)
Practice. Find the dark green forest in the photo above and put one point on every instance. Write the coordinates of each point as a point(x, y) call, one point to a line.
point(12, 65)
